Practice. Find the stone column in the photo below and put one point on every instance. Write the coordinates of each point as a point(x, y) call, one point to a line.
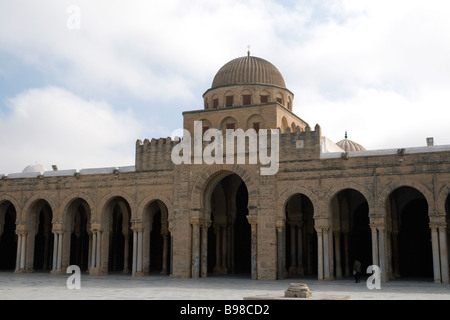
point(395, 257)
point(55, 251)
point(443, 253)
point(382, 252)
point(58, 230)
point(231, 247)
point(300, 248)
point(170, 228)
point(195, 263)
point(22, 235)
point(347, 271)
point(96, 250)
point(252, 219)
point(293, 266)
point(126, 253)
point(137, 268)
point(204, 248)
point(60, 250)
point(435, 248)
point(280, 225)
point(134, 264)
point(224, 249)
point(374, 230)
point(320, 274)
point(165, 235)
point(337, 246)
point(18, 252)
point(23, 251)
point(139, 251)
point(93, 249)
point(217, 229)
point(326, 254)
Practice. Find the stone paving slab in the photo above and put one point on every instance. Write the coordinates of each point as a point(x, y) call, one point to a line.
point(43, 286)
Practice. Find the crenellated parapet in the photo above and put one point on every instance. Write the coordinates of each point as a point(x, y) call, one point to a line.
point(154, 154)
point(300, 145)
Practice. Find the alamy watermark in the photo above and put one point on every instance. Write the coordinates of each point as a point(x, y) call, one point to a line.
point(235, 146)
point(374, 281)
point(74, 20)
point(74, 281)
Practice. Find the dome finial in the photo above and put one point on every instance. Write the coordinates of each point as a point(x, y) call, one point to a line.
point(248, 52)
point(346, 136)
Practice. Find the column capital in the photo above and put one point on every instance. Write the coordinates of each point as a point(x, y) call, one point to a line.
point(438, 220)
point(59, 227)
point(321, 223)
point(96, 226)
point(195, 221)
point(137, 226)
point(21, 228)
point(252, 219)
point(205, 223)
point(438, 225)
point(280, 224)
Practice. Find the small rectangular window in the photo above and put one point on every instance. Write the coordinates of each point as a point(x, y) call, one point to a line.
point(230, 126)
point(264, 99)
point(229, 101)
point(256, 126)
point(246, 99)
point(215, 103)
point(279, 100)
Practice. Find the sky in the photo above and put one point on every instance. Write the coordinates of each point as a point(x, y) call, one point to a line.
point(81, 81)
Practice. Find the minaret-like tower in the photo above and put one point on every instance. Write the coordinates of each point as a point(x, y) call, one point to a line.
point(247, 92)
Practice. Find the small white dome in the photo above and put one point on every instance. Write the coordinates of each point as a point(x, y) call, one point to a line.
point(349, 145)
point(34, 168)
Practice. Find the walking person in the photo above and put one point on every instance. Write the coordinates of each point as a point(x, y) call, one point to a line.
point(357, 270)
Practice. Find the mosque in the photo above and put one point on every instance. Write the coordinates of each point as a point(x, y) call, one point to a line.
point(324, 206)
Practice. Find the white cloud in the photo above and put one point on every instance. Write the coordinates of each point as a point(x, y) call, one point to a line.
point(53, 126)
point(378, 69)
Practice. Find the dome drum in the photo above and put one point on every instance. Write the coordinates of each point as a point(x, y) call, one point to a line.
point(242, 95)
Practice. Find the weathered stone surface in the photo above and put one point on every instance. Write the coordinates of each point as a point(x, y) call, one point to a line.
point(298, 290)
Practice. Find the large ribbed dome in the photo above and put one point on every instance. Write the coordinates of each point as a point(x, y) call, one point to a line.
point(248, 70)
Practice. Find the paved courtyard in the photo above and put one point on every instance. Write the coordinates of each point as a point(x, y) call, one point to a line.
point(43, 286)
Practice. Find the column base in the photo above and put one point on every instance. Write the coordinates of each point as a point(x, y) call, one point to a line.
point(220, 270)
point(95, 271)
point(19, 271)
point(57, 272)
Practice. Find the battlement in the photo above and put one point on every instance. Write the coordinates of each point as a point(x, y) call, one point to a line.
point(154, 154)
point(300, 145)
point(240, 147)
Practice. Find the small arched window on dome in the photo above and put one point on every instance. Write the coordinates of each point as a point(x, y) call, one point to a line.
point(246, 97)
point(279, 98)
point(229, 99)
point(206, 104)
point(264, 96)
point(215, 102)
point(289, 103)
